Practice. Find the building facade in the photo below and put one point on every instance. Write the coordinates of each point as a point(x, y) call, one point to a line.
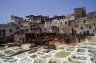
point(76, 23)
point(8, 29)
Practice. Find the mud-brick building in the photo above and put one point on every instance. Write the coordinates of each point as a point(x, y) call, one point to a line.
point(35, 28)
point(80, 12)
point(17, 20)
point(35, 23)
point(7, 31)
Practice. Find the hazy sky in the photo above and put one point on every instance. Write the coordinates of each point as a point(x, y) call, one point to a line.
point(41, 7)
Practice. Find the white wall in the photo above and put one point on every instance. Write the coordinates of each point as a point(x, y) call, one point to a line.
point(8, 33)
point(7, 29)
point(86, 28)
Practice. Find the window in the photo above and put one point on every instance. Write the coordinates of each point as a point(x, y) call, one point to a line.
point(84, 21)
point(47, 23)
point(0, 32)
point(75, 31)
point(38, 26)
point(17, 28)
point(3, 32)
point(33, 25)
point(95, 29)
point(87, 32)
point(57, 18)
point(39, 18)
point(49, 28)
point(58, 29)
point(18, 22)
point(61, 22)
point(70, 33)
point(89, 26)
point(65, 22)
point(77, 11)
point(81, 28)
point(10, 30)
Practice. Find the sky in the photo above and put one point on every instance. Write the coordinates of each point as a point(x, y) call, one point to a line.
point(24, 8)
